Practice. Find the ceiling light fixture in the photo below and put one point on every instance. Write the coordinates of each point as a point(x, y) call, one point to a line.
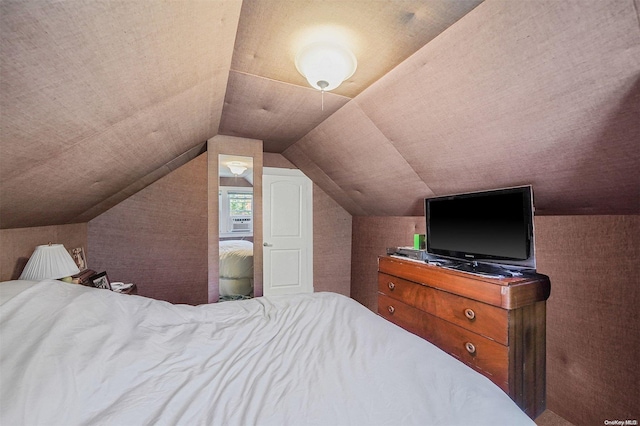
point(325, 65)
point(236, 167)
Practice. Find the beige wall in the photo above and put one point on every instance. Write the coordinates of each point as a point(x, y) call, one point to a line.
point(371, 237)
point(593, 336)
point(157, 238)
point(17, 245)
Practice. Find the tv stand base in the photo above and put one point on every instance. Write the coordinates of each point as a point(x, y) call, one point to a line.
point(483, 269)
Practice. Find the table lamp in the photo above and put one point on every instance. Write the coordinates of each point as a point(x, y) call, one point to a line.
point(49, 261)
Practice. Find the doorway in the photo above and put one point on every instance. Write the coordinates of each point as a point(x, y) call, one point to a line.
point(287, 232)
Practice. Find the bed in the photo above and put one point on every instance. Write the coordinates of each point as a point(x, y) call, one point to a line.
point(236, 268)
point(74, 355)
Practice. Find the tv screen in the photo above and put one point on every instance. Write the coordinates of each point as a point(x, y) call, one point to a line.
point(490, 226)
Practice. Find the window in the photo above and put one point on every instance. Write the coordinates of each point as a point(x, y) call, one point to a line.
point(240, 203)
point(236, 211)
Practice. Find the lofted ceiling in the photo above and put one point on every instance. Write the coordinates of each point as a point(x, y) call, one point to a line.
point(101, 98)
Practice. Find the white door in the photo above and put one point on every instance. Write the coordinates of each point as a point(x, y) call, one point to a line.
point(288, 232)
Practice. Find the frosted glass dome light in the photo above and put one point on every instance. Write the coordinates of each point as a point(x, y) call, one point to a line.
point(325, 65)
point(236, 167)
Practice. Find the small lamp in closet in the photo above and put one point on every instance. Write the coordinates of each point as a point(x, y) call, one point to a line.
point(50, 261)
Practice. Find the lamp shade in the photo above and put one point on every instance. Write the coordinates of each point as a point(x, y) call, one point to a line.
point(49, 261)
point(325, 65)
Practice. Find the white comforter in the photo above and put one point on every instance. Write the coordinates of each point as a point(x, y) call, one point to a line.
point(76, 355)
point(236, 259)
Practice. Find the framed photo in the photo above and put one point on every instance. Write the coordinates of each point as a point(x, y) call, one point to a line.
point(79, 257)
point(101, 280)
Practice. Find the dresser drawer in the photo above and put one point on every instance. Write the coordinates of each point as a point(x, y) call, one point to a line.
point(485, 355)
point(487, 320)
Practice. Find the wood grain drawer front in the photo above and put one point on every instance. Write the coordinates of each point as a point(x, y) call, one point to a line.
point(487, 320)
point(485, 355)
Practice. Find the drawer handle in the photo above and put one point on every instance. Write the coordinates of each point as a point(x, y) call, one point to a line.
point(391, 285)
point(470, 347)
point(391, 309)
point(469, 314)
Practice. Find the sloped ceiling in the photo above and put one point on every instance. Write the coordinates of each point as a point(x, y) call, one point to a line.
point(101, 98)
point(537, 92)
point(98, 97)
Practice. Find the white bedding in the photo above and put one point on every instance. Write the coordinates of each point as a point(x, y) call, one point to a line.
point(236, 259)
point(236, 268)
point(74, 355)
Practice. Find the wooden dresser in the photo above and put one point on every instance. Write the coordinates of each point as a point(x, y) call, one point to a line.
point(496, 326)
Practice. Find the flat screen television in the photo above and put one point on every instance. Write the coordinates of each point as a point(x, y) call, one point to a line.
point(483, 230)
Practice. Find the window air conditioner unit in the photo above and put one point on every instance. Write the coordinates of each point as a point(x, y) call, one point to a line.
point(240, 224)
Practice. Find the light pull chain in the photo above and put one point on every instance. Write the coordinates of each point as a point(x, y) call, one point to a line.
point(322, 85)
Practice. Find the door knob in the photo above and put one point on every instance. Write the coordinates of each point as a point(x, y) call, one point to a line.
point(267, 245)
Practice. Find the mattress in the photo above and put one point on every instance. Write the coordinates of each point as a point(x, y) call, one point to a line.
point(75, 355)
